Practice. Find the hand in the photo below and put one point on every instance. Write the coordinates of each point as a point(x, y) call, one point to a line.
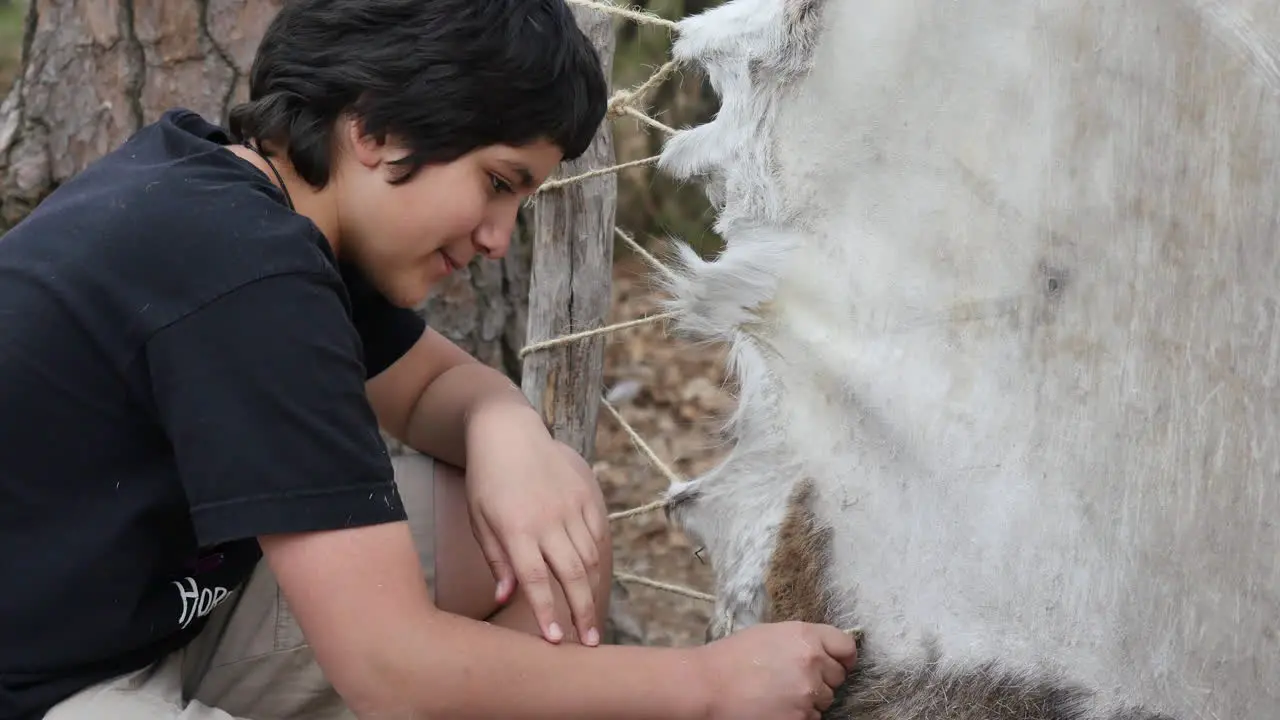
point(778, 671)
point(537, 513)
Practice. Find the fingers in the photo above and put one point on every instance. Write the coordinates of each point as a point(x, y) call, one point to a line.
point(840, 645)
point(833, 672)
point(559, 537)
point(535, 577)
point(597, 523)
point(499, 563)
point(833, 664)
point(593, 503)
point(573, 562)
point(823, 696)
point(557, 556)
point(588, 547)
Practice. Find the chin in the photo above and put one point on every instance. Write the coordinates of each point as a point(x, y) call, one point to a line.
point(408, 300)
point(408, 289)
point(407, 294)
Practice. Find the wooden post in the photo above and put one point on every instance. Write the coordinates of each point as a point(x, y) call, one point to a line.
point(570, 285)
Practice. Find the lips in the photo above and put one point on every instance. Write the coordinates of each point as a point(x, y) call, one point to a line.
point(449, 264)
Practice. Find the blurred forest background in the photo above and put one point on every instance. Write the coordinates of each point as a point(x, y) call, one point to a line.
point(12, 21)
point(671, 392)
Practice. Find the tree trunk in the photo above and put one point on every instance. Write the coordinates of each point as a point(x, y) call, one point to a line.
point(95, 71)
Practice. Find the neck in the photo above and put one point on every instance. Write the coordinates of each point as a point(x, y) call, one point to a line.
point(315, 205)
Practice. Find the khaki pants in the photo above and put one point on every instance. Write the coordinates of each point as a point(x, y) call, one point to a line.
point(251, 661)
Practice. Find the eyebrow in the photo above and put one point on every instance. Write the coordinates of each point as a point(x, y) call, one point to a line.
point(526, 177)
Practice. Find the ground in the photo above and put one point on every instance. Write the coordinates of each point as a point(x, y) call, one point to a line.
point(671, 391)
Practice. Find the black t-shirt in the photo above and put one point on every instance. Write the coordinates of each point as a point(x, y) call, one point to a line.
point(182, 368)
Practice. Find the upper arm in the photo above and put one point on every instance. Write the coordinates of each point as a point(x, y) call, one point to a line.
point(395, 392)
point(262, 394)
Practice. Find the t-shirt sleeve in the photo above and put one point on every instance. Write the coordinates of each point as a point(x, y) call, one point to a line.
point(262, 395)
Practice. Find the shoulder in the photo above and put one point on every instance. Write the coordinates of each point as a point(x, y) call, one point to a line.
point(169, 221)
point(206, 210)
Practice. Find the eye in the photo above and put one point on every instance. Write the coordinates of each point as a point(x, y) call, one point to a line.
point(499, 184)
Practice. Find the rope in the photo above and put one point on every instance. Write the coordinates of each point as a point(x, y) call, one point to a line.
point(628, 98)
point(553, 184)
point(624, 104)
point(659, 585)
point(645, 254)
point(640, 443)
point(639, 16)
point(574, 337)
point(637, 511)
point(648, 120)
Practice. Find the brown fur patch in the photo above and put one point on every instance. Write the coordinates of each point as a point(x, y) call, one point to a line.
point(797, 579)
point(798, 588)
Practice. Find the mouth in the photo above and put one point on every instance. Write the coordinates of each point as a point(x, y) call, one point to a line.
point(449, 264)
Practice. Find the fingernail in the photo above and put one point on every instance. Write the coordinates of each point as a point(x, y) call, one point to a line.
point(554, 632)
point(593, 637)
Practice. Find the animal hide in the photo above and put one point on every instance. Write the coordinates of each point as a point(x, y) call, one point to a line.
point(1001, 285)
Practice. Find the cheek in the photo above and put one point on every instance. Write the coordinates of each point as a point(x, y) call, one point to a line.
point(428, 213)
point(467, 213)
point(440, 218)
point(375, 213)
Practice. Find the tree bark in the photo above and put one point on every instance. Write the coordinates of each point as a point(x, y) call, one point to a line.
point(572, 257)
point(95, 71)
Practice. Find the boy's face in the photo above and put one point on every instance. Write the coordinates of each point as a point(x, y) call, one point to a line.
point(408, 237)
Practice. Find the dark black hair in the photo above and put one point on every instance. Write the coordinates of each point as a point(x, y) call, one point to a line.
point(443, 76)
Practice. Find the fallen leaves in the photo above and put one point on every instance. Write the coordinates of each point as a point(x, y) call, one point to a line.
point(673, 393)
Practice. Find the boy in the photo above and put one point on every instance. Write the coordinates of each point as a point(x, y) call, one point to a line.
point(204, 332)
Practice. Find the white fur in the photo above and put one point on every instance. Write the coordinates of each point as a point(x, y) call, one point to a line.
point(1003, 279)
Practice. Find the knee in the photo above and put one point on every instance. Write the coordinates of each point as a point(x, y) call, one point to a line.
point(583, 470)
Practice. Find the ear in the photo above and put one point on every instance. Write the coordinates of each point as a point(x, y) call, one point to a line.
point(365, 149)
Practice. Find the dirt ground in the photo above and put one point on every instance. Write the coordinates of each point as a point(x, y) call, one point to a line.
point(672, 392)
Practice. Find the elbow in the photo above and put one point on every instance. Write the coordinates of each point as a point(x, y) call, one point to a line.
point(362, 603)
point(382, 678)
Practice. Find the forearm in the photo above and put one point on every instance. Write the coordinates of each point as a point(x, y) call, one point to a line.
point(362, 603)
point(438, 425)
point(449, 666)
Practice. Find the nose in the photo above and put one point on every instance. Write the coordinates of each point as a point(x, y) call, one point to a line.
point(493, 237)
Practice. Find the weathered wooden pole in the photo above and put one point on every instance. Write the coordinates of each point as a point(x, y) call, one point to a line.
point(572, 277)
